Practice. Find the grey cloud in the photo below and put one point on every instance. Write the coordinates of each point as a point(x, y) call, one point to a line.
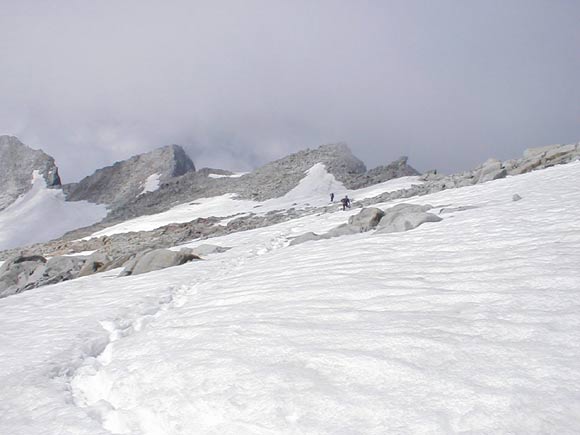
point(449, 83)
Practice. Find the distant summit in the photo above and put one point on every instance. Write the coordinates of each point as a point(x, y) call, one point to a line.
point(18, 162)
point(127, 179)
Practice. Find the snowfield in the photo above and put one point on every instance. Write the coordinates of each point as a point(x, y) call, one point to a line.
point(43, 214)
point(469, 325)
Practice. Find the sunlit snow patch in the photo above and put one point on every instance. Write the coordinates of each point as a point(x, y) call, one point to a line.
point(234, 175)
point(42, 214)
point(151, 184)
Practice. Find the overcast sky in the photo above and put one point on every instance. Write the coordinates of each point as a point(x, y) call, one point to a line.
point(239, 83)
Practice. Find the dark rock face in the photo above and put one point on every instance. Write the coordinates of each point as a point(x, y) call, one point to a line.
point(17, 164)
point(380, 174)
point(122, 182)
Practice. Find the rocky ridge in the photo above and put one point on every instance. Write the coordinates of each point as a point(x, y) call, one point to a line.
point(204, 228)
point(122, 182)
point(17, 165)
point(120, 247)
point(269, 181)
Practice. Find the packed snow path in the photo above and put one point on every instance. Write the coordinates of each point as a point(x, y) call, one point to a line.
point(469, 325)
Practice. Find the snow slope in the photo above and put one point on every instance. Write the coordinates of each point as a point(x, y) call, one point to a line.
point(313, 190)
point(469, 325)
point(42, 214)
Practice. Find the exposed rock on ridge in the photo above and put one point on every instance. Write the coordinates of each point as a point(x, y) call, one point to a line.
point(269, 181)
point(120, 183)
point(17, 164)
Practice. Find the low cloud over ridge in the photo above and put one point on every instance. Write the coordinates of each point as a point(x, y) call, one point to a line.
point(448, 83)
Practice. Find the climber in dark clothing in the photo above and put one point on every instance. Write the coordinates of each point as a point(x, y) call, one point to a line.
point(332, 197)
point(345, 202)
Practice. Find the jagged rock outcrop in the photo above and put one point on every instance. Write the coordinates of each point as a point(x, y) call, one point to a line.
point(380, 174)
point(269, 181)
point(543, 157)
point(122, 182)
point(17, 165)
point(533, 159)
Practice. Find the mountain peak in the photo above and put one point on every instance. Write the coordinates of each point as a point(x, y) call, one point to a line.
point(127, 179)
point(18, 162)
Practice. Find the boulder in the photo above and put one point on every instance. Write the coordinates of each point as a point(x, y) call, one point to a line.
point(490, 170)
point(96, 262)
point(157, 259)
point(366, 219)
point(58, 269)
point(15, 273)
point(516, 197)
point(25, 273)
point(405, 217)
point(117, 262)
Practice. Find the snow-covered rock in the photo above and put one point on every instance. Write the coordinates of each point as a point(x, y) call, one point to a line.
point(306, 237)
point(18, 162)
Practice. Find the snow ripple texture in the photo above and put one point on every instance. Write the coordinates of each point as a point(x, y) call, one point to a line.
point(469, 325)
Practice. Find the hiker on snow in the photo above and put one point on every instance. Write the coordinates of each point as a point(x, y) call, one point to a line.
point(332, 197)
point(345, 202)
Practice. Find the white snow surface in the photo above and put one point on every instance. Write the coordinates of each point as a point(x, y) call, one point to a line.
point(313, 190)
point(42, 214)
point(151, 184)
point(234, 175)
point(468, 325)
